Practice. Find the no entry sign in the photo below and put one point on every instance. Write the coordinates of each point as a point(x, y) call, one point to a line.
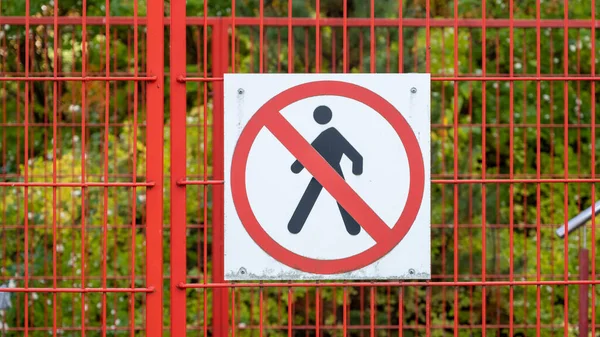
point(327, 176)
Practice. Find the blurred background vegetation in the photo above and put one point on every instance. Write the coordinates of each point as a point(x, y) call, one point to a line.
point(55, 112)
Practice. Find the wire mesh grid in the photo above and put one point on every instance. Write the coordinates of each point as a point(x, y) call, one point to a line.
point(76, 171)
point(83, 160)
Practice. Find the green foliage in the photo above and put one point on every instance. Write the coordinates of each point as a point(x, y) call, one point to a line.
point(479, 128)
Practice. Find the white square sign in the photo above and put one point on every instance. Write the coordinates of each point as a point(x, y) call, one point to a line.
point(327, 176)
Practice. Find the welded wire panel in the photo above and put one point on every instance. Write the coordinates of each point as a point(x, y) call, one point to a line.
point(513, 158)
point(75, 169)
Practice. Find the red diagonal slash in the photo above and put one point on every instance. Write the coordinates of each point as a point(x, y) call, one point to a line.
point(327, 177)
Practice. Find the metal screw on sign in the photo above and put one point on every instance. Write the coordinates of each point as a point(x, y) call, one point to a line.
point(411, 271)
point(243, 271)
point(413, 90)
point(240, 91)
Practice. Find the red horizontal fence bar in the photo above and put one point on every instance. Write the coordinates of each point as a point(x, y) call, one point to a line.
point(86, 184)
point(389, 284)
point(311, 22)
point(77, 290)
point(199, 182)
point(451, 181)
point(494, 78)
point(75, 79)
point(515, 181)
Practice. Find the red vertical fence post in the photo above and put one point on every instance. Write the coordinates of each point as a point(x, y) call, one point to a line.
point(177, 103)
point(584, 262)
point(154, 167)
point(220, 57)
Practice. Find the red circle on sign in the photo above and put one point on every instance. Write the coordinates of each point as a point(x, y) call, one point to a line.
point(261, 118)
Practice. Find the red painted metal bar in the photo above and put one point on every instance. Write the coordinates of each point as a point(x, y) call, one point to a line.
point(538, 167)
point(391, 284)
point(372, 38)
point(26, 172)
point(178, 213)
point(57, 78)
point(290, 41)
point(458, 78)
point(77, 290)
point(250, 328)
point(455, 113)
point(564, 180)
point(464, 77)
point(26, 184)
point(484, 57)
point(55, 93)
point(154, 167)
point(565, 112)
point(205, 274)
point(584, 274)
point(311, 22)
point(220, 66)
point(433, 181)
point(198, 182)
point(83, 149)
point(443, 169)
point(199, 126)
point(134, 164)
point(511, 187)
point(317, 25)
point(593, 166)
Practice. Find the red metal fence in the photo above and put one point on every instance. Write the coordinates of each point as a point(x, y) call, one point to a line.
point(101, 101)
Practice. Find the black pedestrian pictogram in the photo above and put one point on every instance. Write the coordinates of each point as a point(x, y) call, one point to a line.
point(331, 145)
